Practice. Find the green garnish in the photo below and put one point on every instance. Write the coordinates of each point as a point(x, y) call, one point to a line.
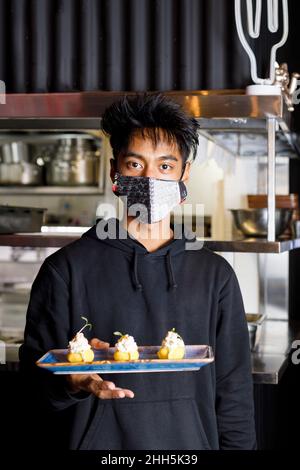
point(86, 324)
point(117, 333)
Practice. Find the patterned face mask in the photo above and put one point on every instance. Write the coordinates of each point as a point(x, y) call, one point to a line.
point(149, 199)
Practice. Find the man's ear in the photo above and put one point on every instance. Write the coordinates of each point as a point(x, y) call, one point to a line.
point(186, 173)
point(113, 169)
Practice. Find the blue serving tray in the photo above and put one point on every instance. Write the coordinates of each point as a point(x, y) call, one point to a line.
point(196, 356)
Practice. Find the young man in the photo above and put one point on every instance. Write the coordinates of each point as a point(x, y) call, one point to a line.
point(145, 284)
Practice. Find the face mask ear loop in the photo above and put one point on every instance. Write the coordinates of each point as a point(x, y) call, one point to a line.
point(115, 165)
point(182, 173)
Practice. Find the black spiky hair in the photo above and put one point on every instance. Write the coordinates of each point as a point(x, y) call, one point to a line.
point(150, 115)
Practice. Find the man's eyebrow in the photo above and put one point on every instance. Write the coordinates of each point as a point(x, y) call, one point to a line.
point(163, 157)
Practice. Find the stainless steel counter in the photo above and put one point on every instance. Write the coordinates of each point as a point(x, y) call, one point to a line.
point(270, 360)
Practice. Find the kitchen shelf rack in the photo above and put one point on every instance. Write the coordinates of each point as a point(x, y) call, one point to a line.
point(51, 190)
point(215, 109)
point(38, 239)
point(253, 245)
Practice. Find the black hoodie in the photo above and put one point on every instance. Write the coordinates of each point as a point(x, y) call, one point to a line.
point(120, 286)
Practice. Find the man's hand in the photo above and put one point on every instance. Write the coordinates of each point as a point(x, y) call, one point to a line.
point(92, 383)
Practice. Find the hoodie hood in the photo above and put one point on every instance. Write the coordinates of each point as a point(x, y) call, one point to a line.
point(120, 239)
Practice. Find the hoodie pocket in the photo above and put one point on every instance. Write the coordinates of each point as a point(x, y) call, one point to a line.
point(94, 427)
point(162, 425)
point(200, 425)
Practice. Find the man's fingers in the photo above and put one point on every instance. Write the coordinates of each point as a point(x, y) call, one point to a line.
point(107, 390)
point(116, 393)
point(108, 394)
point(106, 385)
point(120, 392)
point(98, 344)
point(128, 393)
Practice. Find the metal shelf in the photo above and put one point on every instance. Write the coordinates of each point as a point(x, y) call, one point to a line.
point(223, 109)
point(90, 106)
point(59, 239)
point(36, 240)
point(253, 245)
point(50, 190)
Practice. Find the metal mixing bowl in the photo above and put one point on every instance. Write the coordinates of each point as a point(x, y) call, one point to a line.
point(254, 222)
point(254, 323)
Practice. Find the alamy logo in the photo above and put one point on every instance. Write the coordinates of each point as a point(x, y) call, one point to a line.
point(109, 217)
point(296, 354)
point(296, 94)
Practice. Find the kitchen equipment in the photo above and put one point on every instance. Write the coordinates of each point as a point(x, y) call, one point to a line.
point(21, 219)
point(24, 173)
point(282, 201)
point(71, 172)
point(196, 356)
point(75, 163)
point(15, 152)
point(254, 222)
point(254, 323)
point(16, 167)
point(288, 86)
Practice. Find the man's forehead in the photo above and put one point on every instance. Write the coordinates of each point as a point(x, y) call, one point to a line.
point(146, 142)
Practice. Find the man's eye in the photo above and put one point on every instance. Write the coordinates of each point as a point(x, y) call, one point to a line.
point(134, 165)
point(165, 166)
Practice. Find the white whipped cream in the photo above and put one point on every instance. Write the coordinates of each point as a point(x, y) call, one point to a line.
point(79, 344)
point(172, 341)
point(126, 344)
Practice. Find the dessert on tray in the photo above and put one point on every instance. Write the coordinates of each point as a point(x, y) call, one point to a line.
point(79, 349)
point(126, 356)
point(172, 346)
point(126, 348)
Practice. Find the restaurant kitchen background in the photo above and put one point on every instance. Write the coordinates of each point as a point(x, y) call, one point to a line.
point(63, 62)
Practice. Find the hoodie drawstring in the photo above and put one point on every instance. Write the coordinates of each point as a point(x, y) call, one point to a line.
point(137, 284)
point(171, 276)
point(170, 272)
